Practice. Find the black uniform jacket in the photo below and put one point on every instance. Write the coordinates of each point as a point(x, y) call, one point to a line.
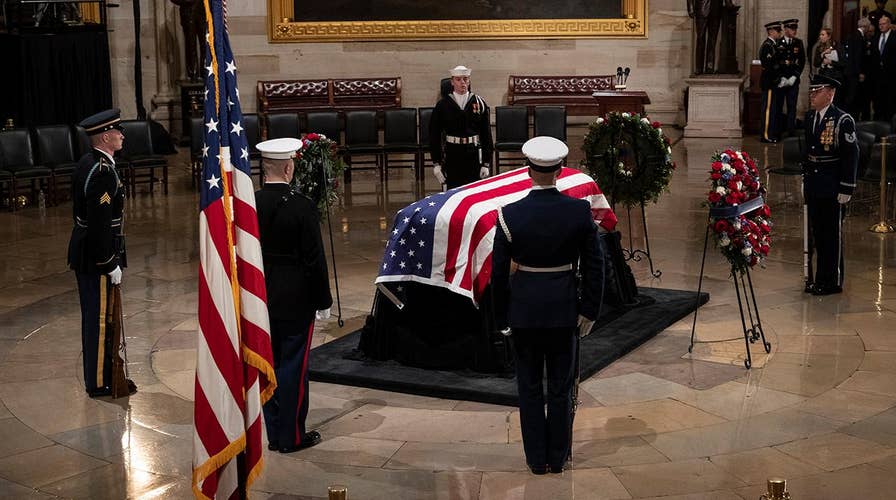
point(97, 243)
point(546, 229)
point(795, 62)
point(295, 267)
point(449, 119)
point(770, 56)
point(832, 154)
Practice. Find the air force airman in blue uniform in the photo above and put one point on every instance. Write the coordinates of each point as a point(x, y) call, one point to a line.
point(550, 237)
point(829, 178)
point(96, 250)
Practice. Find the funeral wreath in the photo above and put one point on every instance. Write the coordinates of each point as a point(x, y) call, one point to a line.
point(629, 157)
point(739, 218)
point(317, 172)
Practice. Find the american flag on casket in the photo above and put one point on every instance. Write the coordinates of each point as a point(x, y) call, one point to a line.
point(446, 239)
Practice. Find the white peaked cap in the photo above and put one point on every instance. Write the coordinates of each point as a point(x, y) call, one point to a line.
point(545, 151)
point(279, 149)
point(461, 71)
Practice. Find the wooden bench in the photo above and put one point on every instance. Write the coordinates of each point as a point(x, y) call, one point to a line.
point(581, 95)
point(328, 94)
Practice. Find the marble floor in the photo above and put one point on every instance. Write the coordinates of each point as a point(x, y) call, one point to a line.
point(819, 410)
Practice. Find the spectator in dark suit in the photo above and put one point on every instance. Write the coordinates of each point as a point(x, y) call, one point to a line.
point(854, 70)
point(875, 15)
point(884, 61)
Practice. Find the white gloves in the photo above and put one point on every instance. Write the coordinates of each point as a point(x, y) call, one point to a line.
point(484, 172)
point(791, 81)
point(843, 198)
point(115, 275)
point(322, 314)
point(437, 171)
point(782, 83)
point(585, 326)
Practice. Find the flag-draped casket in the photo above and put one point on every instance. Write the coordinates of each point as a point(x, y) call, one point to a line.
point(437, 263)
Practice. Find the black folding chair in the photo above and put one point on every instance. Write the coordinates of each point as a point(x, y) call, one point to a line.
point(282, 125)
point(511, 132)
point(138, 156)
point(400, 138)
point(551, 121)
point(17, 158)
point(56, 152)
point(362, 146)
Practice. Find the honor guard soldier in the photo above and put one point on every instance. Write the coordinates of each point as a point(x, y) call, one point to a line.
point(295, 274)
point(462, 117)
point(794, 63)
point(770, 57)
point(550, 237)
point(96, 250)
point(829, 178)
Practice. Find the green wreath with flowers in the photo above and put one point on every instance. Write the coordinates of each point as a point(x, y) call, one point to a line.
point(322, 187)
point(629, 157)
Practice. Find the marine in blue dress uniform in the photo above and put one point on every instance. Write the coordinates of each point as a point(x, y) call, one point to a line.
point(829, 178)
point(96, 250)
point(295, 273)
point(794, 63)
point(462, 118)
point(770, 55)
point(550, 237)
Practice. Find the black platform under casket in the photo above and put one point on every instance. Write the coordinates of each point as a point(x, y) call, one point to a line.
point(439, 329)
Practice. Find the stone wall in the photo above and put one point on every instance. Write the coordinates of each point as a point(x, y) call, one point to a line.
point(659, 64)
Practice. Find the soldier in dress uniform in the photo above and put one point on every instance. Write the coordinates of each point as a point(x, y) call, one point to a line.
point(96, 250)
point(829, 178)
point(770, 56)
point(794, 63)
point(550, 237)
point(295, 273)
point(462, 117)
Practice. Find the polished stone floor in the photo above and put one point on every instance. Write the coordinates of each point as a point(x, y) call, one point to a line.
point(819, 410)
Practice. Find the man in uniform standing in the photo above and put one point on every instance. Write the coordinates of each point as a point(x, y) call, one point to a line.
point(770, 56)
point(549, 236)
point(96, 250)
point(794, 63)
point(295, 273)
point(829, 178)
point(462, 117)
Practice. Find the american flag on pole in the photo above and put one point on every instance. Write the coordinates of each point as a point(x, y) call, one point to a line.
point(446, 239)
point(234, 364)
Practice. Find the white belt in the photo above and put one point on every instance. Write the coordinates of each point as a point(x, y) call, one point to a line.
point(555, 269)
point(473, 139)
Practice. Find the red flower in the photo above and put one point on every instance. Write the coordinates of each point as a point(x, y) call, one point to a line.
point(717, 165)
point(715, 176)
point(753, 260)
point(732, 185)
point(764, 249)
point(721, 226)
point(765, 211)
point(731, 199)
point(714, 197)
point(312, 136)
point(674, 165)
point(656, 125)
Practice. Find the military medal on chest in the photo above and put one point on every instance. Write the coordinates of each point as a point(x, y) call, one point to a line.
point(827, 135)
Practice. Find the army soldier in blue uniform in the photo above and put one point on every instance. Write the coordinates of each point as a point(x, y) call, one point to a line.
point(96, 250)
point(549, 236)
point(770, 54)
point(794, 63)
point(829, 178)
point(462, 117)
point(295, 273)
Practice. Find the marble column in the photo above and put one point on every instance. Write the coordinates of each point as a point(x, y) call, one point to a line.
point(168, 47)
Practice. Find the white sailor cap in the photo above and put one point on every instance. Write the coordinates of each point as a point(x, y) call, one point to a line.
point(545, 154)
point(461, 71)
point(279, 149)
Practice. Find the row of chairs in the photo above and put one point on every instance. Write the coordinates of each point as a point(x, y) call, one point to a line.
point(405, 132)
point(45, 157)
point(869, 135)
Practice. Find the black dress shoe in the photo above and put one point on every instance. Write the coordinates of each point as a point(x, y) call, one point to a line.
point(809, 287)
point(556, 469)
point(538, 470)
point(309, 439)
point(826, 289)
point(273, 446)
point(100, 392)
point(768, 141)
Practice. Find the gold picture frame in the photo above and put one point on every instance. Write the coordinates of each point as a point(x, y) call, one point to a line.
point(282, 28)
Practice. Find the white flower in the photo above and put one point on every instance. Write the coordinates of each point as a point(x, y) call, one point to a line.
point(740, 185)
point(626, 115)
point(659, 131)
point(669, 149)
point(736, 225)
point(620, 165)
point(721, 190)
point(599, 121)
point(322, 136)
point(747, 251)
point(724, 242)
point(645, 121)
point(725, 158)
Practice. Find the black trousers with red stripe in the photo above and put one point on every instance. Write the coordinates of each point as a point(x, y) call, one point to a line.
point(93, 292)
point(285, 412)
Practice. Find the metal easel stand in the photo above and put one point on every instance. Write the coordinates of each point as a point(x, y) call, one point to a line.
point(636, 254)
point(745, 302)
